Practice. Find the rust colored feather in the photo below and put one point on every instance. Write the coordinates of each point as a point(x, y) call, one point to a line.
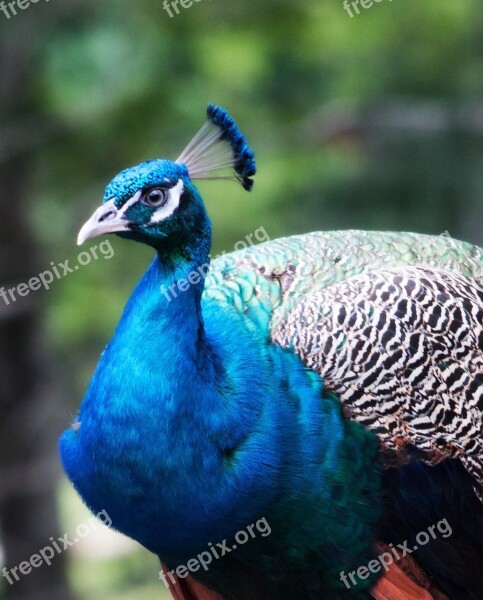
point(190, 589)
point(405, 581)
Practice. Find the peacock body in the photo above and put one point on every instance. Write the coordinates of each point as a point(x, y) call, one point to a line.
point(329, 383)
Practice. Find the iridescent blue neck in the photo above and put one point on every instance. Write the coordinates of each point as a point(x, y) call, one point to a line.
point(165, 307)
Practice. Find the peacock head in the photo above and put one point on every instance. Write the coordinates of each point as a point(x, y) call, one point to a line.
point(157, 203)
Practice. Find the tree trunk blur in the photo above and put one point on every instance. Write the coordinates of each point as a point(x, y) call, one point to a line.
point(29, 404)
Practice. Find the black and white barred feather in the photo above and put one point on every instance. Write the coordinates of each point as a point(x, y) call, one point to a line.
point(403, 349)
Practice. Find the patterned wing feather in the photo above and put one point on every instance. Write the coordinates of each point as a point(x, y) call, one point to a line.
point(268, 280)
point(392, 321)
point(403, 349)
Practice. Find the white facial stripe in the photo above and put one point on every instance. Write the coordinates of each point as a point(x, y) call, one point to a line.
point(130, 202)
point(171, 205)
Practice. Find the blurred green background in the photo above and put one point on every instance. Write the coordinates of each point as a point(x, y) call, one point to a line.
point(372, 122)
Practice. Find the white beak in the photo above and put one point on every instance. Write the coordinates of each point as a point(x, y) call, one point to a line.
point(106, 219)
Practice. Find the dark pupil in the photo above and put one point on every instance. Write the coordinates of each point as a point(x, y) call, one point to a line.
point(155, 196)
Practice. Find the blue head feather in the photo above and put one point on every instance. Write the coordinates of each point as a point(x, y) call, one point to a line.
point(159, 172)
point(218, 145)
point(244, 156)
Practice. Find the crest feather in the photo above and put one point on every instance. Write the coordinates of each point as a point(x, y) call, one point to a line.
point(219, 145)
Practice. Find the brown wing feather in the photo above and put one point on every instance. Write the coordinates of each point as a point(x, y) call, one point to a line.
point(405, 581)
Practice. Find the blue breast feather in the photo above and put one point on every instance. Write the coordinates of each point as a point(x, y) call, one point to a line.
point(185, 448)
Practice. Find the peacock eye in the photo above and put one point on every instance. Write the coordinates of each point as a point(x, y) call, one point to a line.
point(155, 197)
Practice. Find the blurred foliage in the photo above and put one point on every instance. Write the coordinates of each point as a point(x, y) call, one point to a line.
point(369, 122)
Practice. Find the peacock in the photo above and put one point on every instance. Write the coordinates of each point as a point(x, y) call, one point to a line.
point(305, 413)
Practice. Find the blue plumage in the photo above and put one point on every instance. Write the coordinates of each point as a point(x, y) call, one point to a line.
point(185, 436)
point(198, 422)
